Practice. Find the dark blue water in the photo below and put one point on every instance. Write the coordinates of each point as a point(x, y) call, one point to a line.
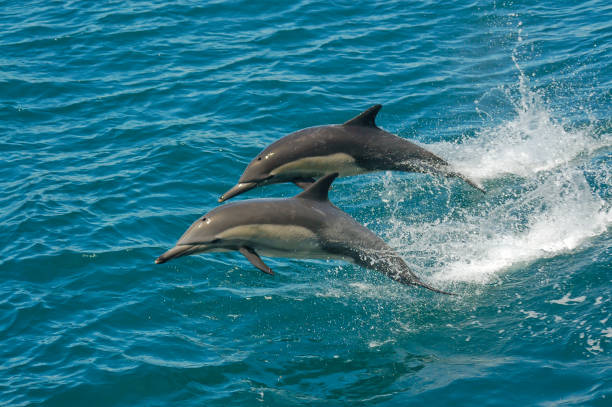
point(122, 122)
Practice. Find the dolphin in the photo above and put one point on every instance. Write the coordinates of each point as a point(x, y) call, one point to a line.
point(307, 225)
point(355, 147)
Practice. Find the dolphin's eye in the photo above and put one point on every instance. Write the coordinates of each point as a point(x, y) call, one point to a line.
point(204, 219)
point(258, 158)
point(215, 240)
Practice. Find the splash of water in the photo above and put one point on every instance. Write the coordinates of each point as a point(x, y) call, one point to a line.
point(540, 200)
point(528, 144)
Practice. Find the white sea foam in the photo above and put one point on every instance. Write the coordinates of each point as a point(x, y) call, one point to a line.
point(531, 142)
point(568, 300)
point(539, 202)
point(594, 345)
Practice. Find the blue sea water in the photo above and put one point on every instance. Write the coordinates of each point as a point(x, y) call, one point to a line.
point(123, 121)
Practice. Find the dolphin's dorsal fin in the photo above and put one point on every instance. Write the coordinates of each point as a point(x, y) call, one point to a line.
point(318, 190)
point(367, 118)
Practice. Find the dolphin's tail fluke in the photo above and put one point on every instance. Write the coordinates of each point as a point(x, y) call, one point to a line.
point(386, 261)
point(447, 170)
point(436, 290)
point(409, 278)
point(466, 179)
point(437, 166)
point(432, 164)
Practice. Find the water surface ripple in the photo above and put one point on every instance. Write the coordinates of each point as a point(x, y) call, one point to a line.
point(122, 122)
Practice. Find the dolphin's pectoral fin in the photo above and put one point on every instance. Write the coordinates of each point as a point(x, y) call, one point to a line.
point(304, 182)
point(255, 260)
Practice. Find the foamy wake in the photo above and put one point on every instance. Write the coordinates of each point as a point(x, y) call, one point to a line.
point(539, 202)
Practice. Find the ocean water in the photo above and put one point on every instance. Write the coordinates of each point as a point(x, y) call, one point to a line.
point(123, 121)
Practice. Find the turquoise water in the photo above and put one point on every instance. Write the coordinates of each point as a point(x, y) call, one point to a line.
point(122, 122)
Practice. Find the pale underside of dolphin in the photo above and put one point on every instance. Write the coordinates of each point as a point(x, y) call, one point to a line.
point(355, 147)
point(307, 225)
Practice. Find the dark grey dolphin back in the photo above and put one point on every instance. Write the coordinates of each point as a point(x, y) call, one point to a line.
point(378, 149)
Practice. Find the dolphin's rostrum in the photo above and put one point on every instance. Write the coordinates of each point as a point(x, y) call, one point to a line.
point(307, 225)
point(355, 147)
